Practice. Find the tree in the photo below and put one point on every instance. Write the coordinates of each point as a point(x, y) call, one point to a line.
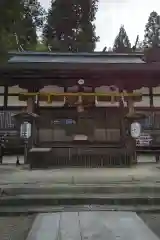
point(122, 43)
point(41, 47)
point(70, 26)
point(9, 14)
point(19, 21)
point(31, 20)
point(139, 47)
point(152, 31)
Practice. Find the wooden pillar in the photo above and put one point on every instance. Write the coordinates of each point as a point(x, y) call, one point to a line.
point(30, 105)
point(131, 143)
point(151, 96)
point(31, 109)
point(5, 103)
point(37, 100)
point(130, 106)
point(122, 114)
point(38, 112)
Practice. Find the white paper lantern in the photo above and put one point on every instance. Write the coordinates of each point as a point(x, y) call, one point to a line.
point(26, 129)
point(135, 130)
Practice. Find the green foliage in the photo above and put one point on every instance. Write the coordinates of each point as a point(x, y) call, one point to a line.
point(19, 22)
point(152, 31)
point(70, 26)
point(139, 47)
point(122, 43)
point(31, 20)
point(9, 14)
point(41, 47)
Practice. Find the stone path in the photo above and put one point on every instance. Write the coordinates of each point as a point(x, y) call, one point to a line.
point(140, 173)
point(91, 226)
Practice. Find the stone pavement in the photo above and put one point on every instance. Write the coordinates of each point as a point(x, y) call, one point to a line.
point(21, 227)
point(144, 173)
point(23, 187)
point(148, 173)
point(90, 225)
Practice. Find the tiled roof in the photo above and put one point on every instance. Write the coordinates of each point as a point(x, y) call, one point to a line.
point(108, 58)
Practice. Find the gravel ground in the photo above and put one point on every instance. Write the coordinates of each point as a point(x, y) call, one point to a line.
point(152, 221)
point(15, 228)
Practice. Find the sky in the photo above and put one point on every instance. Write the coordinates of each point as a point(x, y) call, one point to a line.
point(133, 14)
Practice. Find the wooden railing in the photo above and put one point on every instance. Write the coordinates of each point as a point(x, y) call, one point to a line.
point(54, 96)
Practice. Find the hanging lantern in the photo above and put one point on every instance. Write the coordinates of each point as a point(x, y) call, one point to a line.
point(135, 129)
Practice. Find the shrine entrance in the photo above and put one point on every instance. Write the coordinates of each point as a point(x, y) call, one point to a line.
point(87, 127)
point(82, 134)
point(66, 125)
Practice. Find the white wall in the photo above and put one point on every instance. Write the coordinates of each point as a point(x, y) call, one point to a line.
point(1, 97)
point(1, 101)
point(156, 100)
point(16, 89)
point(104, 89)
point(14, 100)
point(144, 103)
point(145, 100)
point(48, 89)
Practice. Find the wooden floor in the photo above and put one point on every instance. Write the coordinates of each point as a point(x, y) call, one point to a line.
point(90, 226)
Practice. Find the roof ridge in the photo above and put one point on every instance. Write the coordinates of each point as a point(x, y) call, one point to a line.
point(93, 54)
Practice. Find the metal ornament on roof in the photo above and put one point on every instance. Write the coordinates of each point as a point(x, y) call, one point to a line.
point(80, 81)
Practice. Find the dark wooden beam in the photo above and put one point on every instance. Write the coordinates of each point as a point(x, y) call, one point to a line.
point(151, 96)
point(5, 104)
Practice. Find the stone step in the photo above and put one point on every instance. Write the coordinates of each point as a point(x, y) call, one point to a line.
point(33, 189)
point(30, 210)
point(81, 199)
